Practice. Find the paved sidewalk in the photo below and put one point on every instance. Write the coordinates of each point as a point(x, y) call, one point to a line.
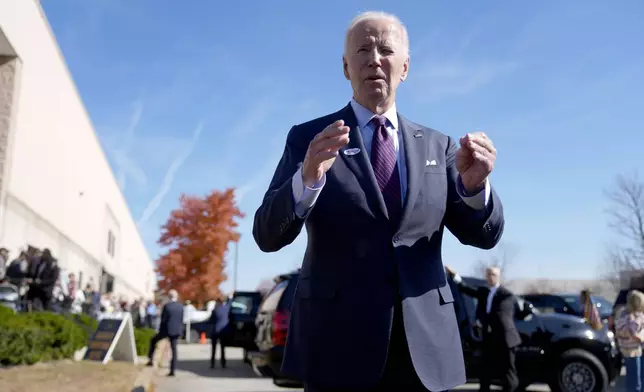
point(194, 375)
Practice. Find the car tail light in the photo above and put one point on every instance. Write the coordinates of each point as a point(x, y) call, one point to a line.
point(280, 327)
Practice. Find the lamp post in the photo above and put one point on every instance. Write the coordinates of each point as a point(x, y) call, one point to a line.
point(235, 266)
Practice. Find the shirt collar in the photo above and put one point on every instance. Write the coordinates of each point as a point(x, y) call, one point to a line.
point(364, 115)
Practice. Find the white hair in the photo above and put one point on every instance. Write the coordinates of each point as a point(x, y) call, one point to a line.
point(173, 295)
point(494, 268)
point(377, 15)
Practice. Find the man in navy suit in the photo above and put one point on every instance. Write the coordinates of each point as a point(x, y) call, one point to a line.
point(372, 309)
point(219, 319)
point(170, 327)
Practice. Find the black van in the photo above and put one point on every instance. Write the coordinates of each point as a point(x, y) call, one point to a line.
point(272, 326)
point(560, 350)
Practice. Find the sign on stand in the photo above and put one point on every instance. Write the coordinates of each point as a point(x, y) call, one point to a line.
point(113, 340)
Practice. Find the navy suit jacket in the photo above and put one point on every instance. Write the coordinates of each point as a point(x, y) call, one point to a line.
point(172, 319)
point(355, 268)
point(219, 318)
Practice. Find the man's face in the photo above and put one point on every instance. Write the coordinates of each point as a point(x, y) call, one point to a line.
point(493, 276)
point(376, 61)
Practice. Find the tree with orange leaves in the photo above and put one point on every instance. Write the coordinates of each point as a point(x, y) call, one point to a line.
point(197, 235)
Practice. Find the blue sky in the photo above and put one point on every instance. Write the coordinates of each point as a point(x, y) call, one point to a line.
point(198, 95)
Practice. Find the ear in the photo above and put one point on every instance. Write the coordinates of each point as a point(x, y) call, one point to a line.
point(405, 71)
point(345, 67)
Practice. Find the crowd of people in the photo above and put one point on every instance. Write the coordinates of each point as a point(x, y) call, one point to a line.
point(37, 278)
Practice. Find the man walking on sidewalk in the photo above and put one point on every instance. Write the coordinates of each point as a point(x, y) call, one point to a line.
point(219, 319)
point(171, 327)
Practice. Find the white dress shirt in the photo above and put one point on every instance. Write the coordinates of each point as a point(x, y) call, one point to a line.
point(488, 305)
point(305, 197)
point(490, 297)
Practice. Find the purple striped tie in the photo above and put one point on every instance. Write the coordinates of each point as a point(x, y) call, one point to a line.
point(385, 167)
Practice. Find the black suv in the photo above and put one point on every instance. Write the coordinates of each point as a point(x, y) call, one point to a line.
point(272, 325)
point(569, 304)
point(560, 350)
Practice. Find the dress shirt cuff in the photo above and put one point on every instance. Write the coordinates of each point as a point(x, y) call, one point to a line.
point(478, 200)
point(304, 196)
point(457, 278)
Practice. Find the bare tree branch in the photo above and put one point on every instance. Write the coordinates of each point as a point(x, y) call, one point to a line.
point(626, 219)
point(504, 256)
point(541, 286)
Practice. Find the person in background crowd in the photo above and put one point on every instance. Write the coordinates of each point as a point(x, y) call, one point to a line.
point(151, 314)
point(591, 314)
point(75, 296)
point(4, 261)
point(72, 287)
point(219, 320)
point(58, 295)
point(171, 327)
point(18, 269)
point(45, 275)
point(629, 328)
point(495, 311)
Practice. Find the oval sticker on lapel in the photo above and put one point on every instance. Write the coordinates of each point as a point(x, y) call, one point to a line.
point(351, 151)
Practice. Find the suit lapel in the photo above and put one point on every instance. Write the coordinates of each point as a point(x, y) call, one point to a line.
point(359, 163)
point(415, 155)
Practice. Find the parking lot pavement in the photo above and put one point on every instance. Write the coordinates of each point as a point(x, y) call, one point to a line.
point(194, 374)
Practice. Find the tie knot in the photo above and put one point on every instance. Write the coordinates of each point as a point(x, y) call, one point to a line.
point(378, 120)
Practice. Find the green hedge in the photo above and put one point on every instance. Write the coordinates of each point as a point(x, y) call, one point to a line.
point(27, 338)
point(142, 338)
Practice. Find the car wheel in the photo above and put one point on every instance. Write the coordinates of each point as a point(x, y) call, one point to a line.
point(579, 371)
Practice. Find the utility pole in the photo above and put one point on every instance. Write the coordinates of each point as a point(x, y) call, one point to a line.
point(235, 266)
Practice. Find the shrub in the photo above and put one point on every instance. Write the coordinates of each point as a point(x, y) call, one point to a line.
point(27, 338)
point(88, 323)
point(32, 337)
point(142, 337)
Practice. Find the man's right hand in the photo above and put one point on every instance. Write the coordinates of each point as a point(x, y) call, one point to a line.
point(450, 271)
point(322, 152)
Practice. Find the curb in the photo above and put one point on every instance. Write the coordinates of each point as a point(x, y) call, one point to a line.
point(145, 381)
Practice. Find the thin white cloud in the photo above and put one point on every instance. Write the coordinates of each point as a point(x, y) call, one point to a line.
point(168, 179)
point(126, 165)
point(440, 80)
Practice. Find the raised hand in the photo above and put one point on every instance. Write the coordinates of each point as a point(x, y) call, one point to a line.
point(475, 160)
point(322, 152)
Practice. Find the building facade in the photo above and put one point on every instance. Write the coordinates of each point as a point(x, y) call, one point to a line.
point(57, 189)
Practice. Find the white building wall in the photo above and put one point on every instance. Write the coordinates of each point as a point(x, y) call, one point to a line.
point(60, 192)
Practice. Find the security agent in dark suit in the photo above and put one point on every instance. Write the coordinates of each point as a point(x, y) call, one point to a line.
point(170, 327)
point(375, 192)
point(495, 311)
point(219, 319)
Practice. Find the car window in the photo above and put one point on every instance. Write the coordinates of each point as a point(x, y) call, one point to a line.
point(273, 298)
point(545, 303)
point(289, 294)
point(603, 306)
point(244, 304)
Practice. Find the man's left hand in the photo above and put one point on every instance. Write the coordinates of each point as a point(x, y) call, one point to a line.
point(475, 160)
